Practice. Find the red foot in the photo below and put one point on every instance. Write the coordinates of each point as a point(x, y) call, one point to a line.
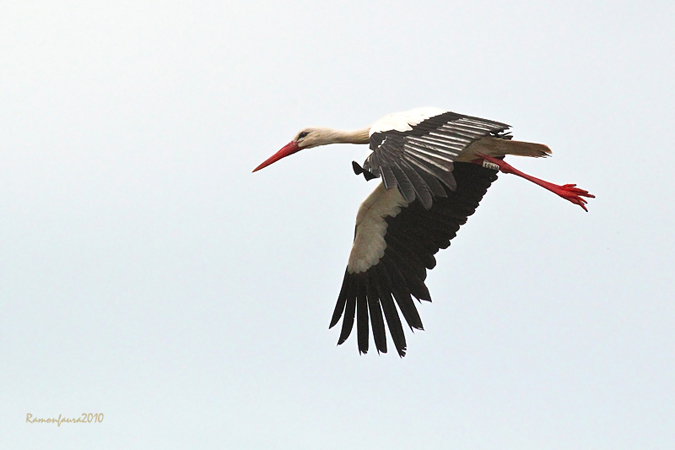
point(572, 193)
point(568, 191)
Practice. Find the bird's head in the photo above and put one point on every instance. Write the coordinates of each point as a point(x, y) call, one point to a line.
point(307, 138)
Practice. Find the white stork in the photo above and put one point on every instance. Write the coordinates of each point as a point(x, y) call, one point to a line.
point(435, 166)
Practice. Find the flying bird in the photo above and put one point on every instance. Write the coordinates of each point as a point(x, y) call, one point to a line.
point(435, 166)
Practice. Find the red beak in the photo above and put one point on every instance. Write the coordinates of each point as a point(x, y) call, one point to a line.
point(286, 150)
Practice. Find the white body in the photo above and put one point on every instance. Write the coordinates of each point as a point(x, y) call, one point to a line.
point(404, 121)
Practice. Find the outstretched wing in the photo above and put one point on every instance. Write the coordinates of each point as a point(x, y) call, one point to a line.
point(394, 245)
point(415, 151)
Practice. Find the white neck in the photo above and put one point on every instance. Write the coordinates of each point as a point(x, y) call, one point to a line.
point(331, 136)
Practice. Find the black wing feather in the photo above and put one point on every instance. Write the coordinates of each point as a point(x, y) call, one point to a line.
point(362, 320)
point(390, 314)
point(376, 320)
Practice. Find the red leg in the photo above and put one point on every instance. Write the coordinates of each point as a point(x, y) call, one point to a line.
point(568, 191)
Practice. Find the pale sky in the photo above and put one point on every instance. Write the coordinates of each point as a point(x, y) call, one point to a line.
point(147, 275)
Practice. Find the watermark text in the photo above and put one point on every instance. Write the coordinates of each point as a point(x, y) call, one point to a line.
point(84, 418)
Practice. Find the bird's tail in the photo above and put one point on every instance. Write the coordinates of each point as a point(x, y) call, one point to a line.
point(508, 147)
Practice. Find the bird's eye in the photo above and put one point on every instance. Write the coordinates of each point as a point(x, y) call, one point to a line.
point(302, 135)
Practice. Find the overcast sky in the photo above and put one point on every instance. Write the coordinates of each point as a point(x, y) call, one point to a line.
point(147, 275)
